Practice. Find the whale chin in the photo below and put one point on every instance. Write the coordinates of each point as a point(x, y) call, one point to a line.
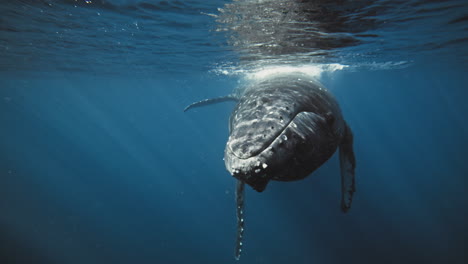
point(257, 183)
point(253, 171)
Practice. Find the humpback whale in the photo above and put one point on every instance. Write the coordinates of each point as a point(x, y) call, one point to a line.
point(283, 128)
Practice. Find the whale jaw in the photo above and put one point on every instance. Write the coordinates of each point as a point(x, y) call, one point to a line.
point(257, 183)
point(252, 171)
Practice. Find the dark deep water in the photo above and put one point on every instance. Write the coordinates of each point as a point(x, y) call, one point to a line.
point(98, 163)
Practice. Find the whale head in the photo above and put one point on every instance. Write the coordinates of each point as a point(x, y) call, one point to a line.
point(278, 132)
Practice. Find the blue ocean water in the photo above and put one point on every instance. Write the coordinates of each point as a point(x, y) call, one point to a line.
point(99, 163)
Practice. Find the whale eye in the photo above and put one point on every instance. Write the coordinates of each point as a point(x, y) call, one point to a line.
point(272, 127)
point(287, 108)
point(330, 118)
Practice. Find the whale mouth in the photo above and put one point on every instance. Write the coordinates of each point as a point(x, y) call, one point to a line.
point(257, 183)
point(257, 170)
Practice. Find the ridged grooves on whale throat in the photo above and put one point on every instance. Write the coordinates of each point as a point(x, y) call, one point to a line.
point(240, 217)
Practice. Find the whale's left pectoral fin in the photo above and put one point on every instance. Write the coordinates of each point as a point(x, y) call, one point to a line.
point(231, 97)
point(347, 164)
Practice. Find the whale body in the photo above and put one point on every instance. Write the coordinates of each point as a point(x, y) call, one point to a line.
point(283, 128)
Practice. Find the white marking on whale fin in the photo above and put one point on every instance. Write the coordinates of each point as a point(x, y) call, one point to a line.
point(347, 165)
point(231, 97)
point(240, 217)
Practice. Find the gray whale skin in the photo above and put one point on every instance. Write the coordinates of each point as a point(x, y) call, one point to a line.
point(283, 128)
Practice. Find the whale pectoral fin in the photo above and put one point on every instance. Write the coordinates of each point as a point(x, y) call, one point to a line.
point(347, 165)
point(231, 97)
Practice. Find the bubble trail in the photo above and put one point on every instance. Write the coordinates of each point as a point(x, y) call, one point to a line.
point(240, 217)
